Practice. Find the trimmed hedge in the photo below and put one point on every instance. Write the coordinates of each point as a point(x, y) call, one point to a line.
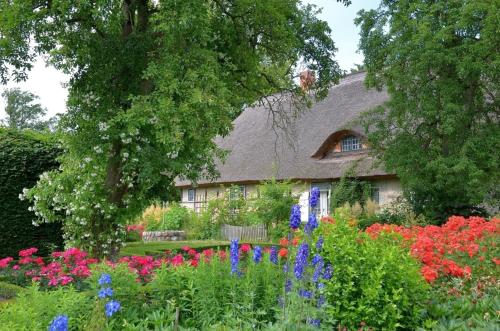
point(24, 156)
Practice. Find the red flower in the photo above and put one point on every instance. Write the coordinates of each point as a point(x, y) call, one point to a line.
point(283, 242)
point(28, 252)
point(245, 248)
point(186, 248)
point(283, 252)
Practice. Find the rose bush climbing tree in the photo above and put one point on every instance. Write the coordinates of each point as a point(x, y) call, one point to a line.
point(152, 83)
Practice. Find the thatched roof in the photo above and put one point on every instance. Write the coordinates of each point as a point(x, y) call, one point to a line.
point(257, 152)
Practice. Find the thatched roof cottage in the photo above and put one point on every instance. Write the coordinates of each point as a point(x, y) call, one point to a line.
point(320, 146)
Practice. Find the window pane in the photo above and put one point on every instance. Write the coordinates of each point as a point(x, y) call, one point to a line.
point(191, 193)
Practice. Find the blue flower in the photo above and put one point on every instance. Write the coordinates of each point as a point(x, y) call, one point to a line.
point(313, 322)
point(312, 223)
point(328, 273)
point(305, 293)
point(257, 254)
point(319, 243)
point(59, 323)
point(104, 279)
point(288, 285)
point(295, 217)
point(318, 269)
point(273, 255)
point(234, 256)
point(321, 300)
point(301, 260)
point(105, 292)
point(314, 197)
point(111, 307)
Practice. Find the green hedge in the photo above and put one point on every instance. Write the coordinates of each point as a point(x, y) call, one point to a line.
point(24, 155)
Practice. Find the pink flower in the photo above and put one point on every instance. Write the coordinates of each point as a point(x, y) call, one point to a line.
point(16, 267)
point(245, 248)
point(5, 262)
point(177, 260)
point(66, 280)
point(28, 252)
point(186, 248)
point(25, 260)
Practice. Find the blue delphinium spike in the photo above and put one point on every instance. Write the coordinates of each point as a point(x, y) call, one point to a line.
point(59, 323)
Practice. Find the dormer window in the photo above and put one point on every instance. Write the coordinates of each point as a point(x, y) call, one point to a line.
point(341, 143)
point(350, 143)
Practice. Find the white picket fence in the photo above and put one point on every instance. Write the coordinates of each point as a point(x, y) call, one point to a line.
point(247, 233)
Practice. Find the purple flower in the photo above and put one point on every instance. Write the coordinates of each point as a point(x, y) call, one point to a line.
point(111, 307)
point(301, 260)
point(285, 267)
point(234, 256)
point(295, 217)
point(257, 254)
point(305, 293)
point(314, 197)
point(105, 292)
point(59, 323)
point(318, 269)
point(312, 223)
point(321, 300)
point(104, 279)
point(328, 273)
point(273, 255)
point(319, 244)
point(288, 285)
point(313, 322)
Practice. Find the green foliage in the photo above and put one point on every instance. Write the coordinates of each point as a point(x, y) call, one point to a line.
point(439, 131)
point(400, 212)
point(152, 84)
point(24, 156)
point(469, 311)
point(33, 310)
point(210, 295)
point(349, 189)
point(8, 291)
point(172, 219)
point(374, 281)
point(271, 207)
point(23, 111)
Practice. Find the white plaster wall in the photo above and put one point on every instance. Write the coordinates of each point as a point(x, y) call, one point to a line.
point(389, 189)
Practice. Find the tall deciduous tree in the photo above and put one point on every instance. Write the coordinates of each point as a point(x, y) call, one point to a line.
point(23, 111)
point(152, 83)
point(439, 61)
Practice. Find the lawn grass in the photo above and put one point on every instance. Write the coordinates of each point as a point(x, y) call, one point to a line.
point(155, 247)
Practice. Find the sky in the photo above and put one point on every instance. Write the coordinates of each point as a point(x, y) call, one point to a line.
point(47, 83)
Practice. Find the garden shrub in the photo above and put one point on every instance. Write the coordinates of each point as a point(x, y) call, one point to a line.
point(172, 217)
point(476, 310)
point(24, 156)
point(8, 290)
point(210, 294)
point(375, 282)
point(271, 207)
point(34, 309)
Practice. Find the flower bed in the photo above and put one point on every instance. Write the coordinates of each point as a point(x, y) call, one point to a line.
point(458, 248)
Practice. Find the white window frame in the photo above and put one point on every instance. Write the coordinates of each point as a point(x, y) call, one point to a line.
point(350, 143)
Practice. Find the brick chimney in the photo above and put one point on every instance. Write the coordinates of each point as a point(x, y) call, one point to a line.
point(307, 79)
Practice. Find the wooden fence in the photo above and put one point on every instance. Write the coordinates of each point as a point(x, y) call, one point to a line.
point(246, 233)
